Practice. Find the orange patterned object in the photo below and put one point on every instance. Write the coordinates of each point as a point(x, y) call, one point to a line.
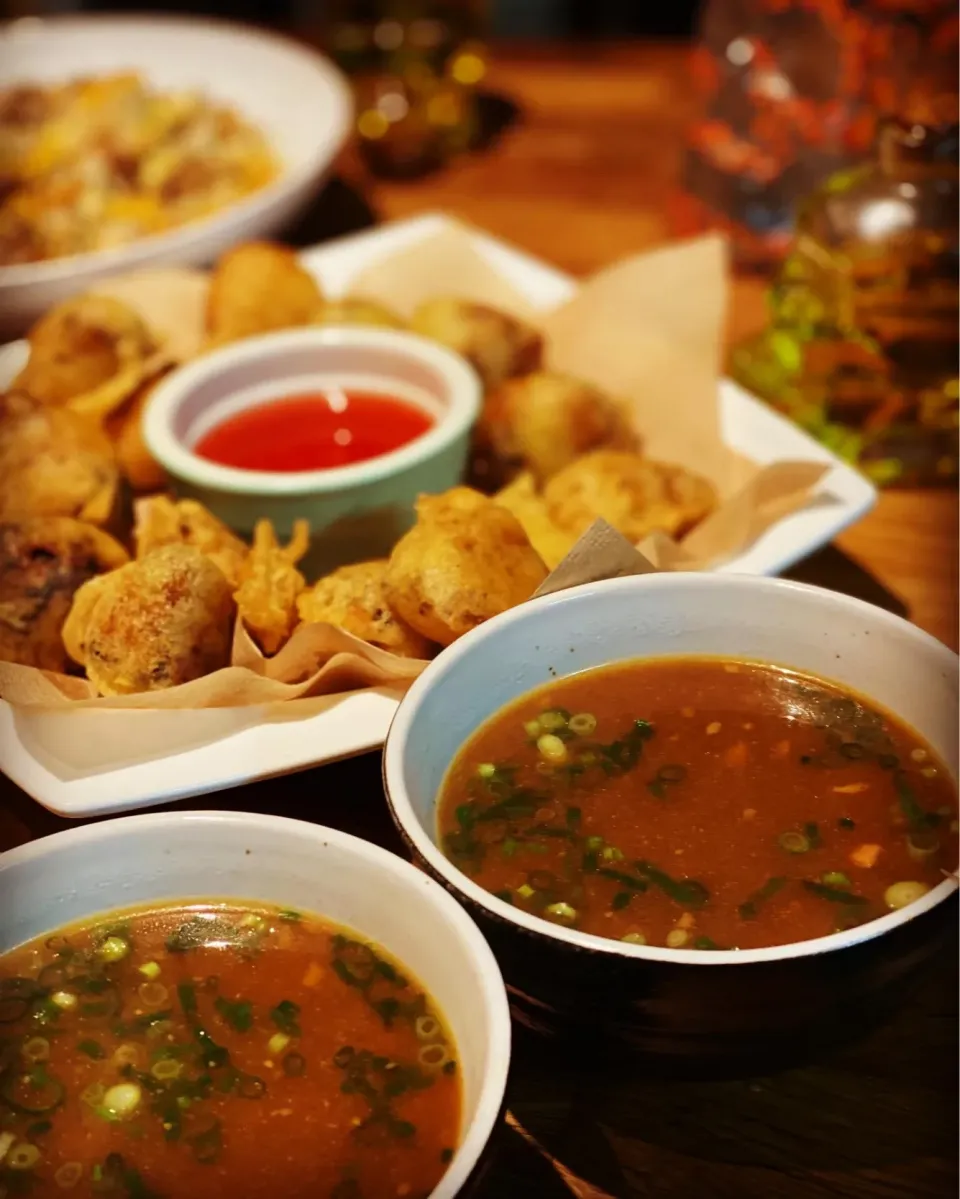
point(792, 91)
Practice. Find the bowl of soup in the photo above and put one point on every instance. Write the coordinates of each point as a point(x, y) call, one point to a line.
point(342, 425)
point(705, 812)
point(222, 1004)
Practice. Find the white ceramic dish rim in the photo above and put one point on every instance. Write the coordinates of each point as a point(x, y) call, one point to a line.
point(493, 1088)
point(405, 816)
point(463, 407)
point(330, 137)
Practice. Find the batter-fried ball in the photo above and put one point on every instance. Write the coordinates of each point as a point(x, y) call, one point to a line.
point(495, 344)
point(635, 495)
point(90, 352)
point(465, 560)
point(159, 520)
point(357, 311)
point(258, 287)
point(270, 584)
point(54, 462)
point(353, 599)
point(543, 421)
point(550, 541)
point(125, 428)
point(155, 623)
point(43, 561)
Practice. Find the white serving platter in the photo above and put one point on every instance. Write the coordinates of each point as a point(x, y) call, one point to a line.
point(47, 754)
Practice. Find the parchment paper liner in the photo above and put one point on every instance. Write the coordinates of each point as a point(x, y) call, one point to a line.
point(649, 329)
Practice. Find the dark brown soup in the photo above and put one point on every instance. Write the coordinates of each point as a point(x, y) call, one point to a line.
point(699, 804)
point(220, 1052)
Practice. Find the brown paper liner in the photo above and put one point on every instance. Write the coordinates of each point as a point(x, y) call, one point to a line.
point(649, 329)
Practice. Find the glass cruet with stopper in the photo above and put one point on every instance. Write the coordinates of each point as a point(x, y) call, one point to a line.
point(862, 345)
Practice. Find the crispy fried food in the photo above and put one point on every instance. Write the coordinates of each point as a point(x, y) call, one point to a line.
point(159, 520)
point(353, 599)
point(357, 311)
point(270, 584)
point(635, 495)
point(125, 428)
point(90, 352)
point(257, 287)
point(154, 623)
point(465, 560)
point(544, 421)
point(43, 561)
point(54, 462)
point(550, 541)
point(495, 344)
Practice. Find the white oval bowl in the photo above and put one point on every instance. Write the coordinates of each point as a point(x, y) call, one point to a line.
point(296, 97)
point(824, 633)
point(358, 511)
point(136, 860)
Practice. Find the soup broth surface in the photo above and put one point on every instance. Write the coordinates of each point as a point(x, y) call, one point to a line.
point(699, 803)
point(223, 1052)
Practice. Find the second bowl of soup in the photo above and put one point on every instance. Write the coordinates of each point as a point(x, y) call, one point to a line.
point(635, 778)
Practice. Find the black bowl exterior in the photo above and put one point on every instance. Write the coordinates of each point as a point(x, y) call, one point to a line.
point(753, 1015)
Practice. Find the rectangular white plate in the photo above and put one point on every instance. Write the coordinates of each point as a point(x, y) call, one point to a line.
point(43, 754)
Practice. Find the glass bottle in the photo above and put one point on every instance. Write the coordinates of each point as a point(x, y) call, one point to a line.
point(862, 346)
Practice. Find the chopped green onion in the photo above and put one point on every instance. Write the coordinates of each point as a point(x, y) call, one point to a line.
point(22, 1157)
point(68, 1175)
point(113, 949)
point(150, 970)
point(166, 1069)
point(583, 724)
point(290, 915)
point(899, 895)
point(593, 844)
point(153, 994)
point(610, 853)
point(922, 845)
point(427, 1028)
point(677, 938)
point(525, 891)
point(561, 911)
point(37, 1049)
point(486, 770)
point(278, 1042)
point(92, 1049)
point(634, 938)
point(127, 1054)
point(65, 1000)
point(533, 728)
point(93, 1094)
point(835, 878)
point(621, 900)
point(123, 1099)
point(434, 1056)
point(554, 718)
point(38, 1128)
point(794, 842)
point(551, 747)
point(6, 1140)
point(187, 994)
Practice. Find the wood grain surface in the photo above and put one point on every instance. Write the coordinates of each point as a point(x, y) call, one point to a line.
point(581, 175)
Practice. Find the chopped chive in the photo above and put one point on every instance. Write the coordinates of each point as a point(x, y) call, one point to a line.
point(187, 994)
point(92, 1049)
point(446, 1156)
point(237, 1013)
point(290, 915)
point(687, 891)
point(748, 909)
point(621, 900)
point(284, 1016)
point(846, 823)
point(574, 816)
point(833, 894)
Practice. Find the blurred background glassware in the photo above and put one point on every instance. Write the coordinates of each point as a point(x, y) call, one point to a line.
point(415, 66)
point(790, 91)
point(862, 346)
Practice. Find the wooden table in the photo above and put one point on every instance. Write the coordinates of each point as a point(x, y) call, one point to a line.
point(581, 178)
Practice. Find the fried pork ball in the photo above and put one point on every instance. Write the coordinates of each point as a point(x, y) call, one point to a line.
point(357, 311)
point(160, 520)
point(54, 462)
point(90, 352)
point(495, 344)
point(465, 560)
point(258, 287)
point(157, 622)
point(544, 421)
point(635, 495)
point(43, 562)
point(353, 599)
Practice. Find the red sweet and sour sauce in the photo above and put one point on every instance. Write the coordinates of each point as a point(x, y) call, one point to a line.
point(316, 431)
